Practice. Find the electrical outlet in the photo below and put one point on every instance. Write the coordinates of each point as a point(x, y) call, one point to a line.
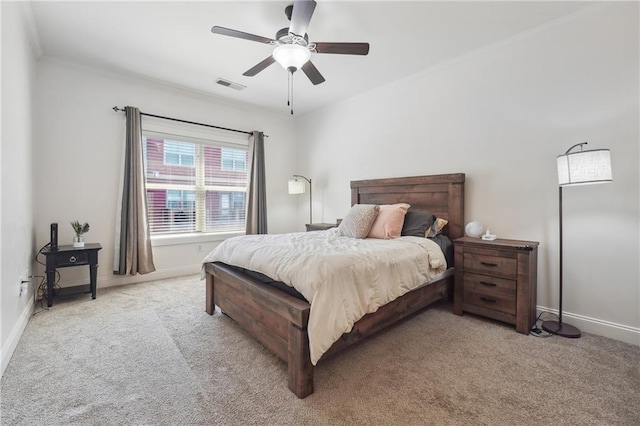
point(24, 286)
point(199, 248)
point(24, 282)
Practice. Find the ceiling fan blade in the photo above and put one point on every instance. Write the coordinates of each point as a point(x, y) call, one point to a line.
point(312, 72)
point(301, 15)
point(239, 34)
point(259, 67)
point(343, 48)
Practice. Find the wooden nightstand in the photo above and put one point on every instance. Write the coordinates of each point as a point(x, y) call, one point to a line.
point(497, 279)
point(319, 226)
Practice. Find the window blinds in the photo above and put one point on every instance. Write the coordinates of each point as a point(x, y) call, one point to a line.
point(194, 184)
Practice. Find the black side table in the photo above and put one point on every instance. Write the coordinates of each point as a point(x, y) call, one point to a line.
point(67, 256)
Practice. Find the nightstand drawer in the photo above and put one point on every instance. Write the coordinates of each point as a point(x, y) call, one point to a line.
point(492, 265)
point(72, 259)
point(506, 304)
point(489, 285)
point(489, 292)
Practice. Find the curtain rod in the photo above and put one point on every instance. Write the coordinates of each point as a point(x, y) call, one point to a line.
point(116, 109)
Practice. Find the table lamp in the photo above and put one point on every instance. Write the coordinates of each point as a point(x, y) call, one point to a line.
point(297, 187)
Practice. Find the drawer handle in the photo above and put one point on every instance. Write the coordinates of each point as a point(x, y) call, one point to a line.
point(493, 265)
point(488, 284)
point(72, 259)
point(488, 300)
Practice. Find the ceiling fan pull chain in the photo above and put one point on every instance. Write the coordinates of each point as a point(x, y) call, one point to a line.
point(290, 102)
point(288, 89)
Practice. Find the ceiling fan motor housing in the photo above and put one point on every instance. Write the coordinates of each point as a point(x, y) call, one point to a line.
point(283, 37)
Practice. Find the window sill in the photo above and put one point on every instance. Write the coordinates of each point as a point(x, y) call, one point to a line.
point(171, 240)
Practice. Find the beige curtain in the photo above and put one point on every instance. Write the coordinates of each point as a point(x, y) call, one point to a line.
point(257, 191)
point(133, 243)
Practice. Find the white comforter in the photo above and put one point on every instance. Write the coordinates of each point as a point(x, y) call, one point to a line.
point(343, 278)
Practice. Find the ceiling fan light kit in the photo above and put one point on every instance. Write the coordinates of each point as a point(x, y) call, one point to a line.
point(293, 50)
point(291, 56)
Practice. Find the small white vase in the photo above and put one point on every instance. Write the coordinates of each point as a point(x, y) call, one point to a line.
point(78, 241)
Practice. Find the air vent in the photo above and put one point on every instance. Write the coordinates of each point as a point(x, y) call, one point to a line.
point(230, 84)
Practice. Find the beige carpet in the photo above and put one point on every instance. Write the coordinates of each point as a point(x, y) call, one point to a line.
point(148, 354)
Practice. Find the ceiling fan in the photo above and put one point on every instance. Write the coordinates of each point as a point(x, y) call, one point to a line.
point(293, 49)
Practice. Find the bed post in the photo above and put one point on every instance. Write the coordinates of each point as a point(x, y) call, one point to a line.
point(456, 208)
point(300, 375)
point(209, 304)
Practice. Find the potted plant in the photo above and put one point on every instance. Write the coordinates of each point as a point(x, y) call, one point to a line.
point(80, 230)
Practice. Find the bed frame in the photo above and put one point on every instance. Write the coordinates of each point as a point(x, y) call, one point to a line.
point(279, 320)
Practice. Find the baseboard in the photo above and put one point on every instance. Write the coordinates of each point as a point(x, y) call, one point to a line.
point(621, 332)
point(16, 333)
point(117, 280)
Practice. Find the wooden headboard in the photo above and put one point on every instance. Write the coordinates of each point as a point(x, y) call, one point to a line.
point(442, 195)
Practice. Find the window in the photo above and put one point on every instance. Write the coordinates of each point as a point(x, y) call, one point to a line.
point(179, 153)
point(194, 187)
point(181, 199)
point(233, 159)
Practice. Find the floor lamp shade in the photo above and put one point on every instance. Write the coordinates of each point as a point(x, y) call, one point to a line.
point(297, 187)
point(584, 167)
point(576, 168)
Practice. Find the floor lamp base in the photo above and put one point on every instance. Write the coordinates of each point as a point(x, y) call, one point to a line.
point(561, 329)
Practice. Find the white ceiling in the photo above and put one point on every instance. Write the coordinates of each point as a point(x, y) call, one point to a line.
point(172, 41)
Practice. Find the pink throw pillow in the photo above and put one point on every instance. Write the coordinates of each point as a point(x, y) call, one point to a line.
point(388, 223)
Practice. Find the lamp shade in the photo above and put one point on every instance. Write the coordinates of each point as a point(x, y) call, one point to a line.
point(584, 167)
point(291, 55)
point(296, 187)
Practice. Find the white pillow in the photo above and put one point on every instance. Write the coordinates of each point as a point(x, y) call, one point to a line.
point(358, 221)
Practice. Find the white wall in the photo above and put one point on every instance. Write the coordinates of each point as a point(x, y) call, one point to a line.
point(501, 115)
point(78, 151)
point(16, 218)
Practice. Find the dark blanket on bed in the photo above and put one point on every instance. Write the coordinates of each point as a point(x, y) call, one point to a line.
point(446, 245)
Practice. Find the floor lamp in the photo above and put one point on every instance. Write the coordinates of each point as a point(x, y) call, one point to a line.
point(577, 168)
point(297, 187)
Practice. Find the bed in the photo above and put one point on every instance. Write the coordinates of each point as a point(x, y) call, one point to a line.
point(279, 320)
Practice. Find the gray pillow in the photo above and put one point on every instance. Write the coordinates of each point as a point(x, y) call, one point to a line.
point(416, 223)
point(358, 221)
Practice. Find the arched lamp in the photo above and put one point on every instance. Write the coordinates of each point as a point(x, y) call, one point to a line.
point(577, 168)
